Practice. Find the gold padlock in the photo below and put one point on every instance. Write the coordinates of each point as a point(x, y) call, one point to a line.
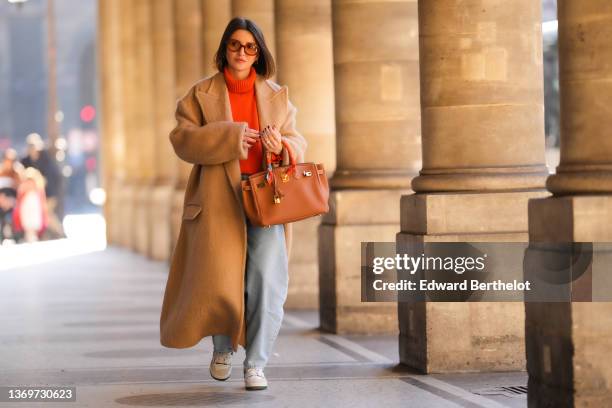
point(277, 200)
point(285, 177)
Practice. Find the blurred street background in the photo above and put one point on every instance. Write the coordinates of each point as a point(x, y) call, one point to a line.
point(48, 117)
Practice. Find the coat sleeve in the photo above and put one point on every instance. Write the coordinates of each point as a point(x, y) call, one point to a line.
point(198, 142)
point(294, 139)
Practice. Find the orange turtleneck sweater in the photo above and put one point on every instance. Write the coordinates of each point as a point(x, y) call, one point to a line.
point(244, 109)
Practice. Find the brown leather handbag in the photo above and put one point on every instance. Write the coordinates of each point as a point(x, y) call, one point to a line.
point(283, 194)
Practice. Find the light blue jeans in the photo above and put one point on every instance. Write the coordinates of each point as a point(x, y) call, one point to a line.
point(266, 281)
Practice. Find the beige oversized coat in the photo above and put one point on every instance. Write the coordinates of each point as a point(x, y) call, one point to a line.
point(205, 289)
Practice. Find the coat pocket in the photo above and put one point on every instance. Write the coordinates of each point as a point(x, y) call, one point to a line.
point(191, 211)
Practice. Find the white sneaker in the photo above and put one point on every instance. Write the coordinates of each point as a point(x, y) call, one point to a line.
point(221, 365)
point(254, 379)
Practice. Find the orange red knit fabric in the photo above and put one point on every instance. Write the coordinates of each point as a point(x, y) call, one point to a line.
point(244, 109)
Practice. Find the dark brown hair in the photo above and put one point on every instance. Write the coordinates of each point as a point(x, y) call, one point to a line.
point(264, 65)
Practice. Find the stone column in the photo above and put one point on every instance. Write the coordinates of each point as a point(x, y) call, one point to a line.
point(127, 192)
point(188, 57)
point(262, 13)
point(483, 159)
point(377, 137)
point(166, 162)
point(215, 16)
point(305, 65)
point(112, 132)
point(143, 135)
point(568, 344)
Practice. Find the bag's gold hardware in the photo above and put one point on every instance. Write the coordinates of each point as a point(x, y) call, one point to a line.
point(285, 177)
point(307, 173)
point(277, 200)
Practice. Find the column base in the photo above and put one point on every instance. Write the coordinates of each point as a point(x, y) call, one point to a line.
point(571, 219)
point(567, 354)
point(124, 218)
point(176, 216)
point(112, 212)
point(568, 343)
point(444, 337)
point(355, 216)
point(378, 318)
point(161, 197)
point(486, 336)
point(142, 218)
point(303, 290)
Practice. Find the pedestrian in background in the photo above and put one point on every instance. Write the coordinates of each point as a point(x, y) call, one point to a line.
point(40, 158)
point(30, 215)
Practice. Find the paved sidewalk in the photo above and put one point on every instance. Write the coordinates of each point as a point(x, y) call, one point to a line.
point(91, 321)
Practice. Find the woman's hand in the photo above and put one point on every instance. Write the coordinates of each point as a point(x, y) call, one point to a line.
point(271, 139)
point(249, 137)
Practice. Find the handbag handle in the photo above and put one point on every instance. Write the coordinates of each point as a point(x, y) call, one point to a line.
point(292, 160)
point(268, 164)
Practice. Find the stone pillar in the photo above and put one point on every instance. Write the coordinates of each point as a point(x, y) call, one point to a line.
point(568, 343)
point(305, 65)
point(262, 13)
point(483, 159)
point(377, 136)
point(127, 193)
point(188, 57)
point(164, 105)
point(143, 135)
point(112, 132)
point(215, 16)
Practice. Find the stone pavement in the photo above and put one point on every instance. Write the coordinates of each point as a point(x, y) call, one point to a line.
point(91, 321)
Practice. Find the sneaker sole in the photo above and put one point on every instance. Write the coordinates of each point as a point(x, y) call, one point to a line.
point(257, 388)
point(219, 379)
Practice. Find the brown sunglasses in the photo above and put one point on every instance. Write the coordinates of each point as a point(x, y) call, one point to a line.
point(249, 48)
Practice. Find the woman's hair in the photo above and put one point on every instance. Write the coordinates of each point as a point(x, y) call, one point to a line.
point(264, 65)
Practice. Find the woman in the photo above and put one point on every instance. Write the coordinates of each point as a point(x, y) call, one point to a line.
point(227, 277)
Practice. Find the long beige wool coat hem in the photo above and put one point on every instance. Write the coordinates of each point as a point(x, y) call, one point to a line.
point(204, 293)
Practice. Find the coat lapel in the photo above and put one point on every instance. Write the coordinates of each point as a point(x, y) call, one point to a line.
point(215, 100)
point(270, 104)
point(216, 107)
